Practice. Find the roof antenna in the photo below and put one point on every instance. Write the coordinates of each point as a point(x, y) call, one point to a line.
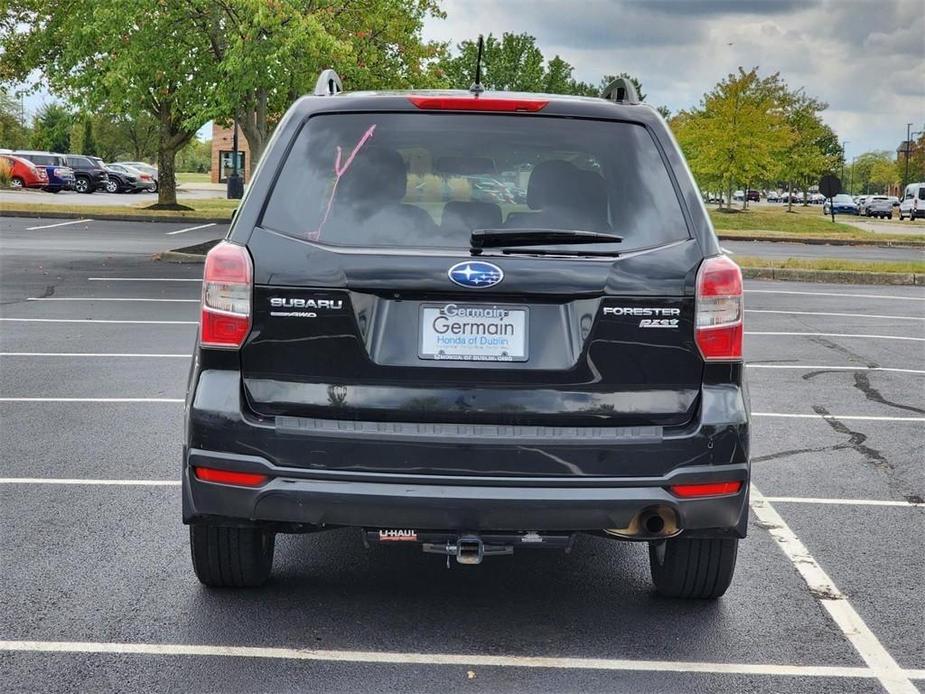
point(477, 87)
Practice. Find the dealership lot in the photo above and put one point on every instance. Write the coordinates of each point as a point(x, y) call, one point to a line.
point(99, 593)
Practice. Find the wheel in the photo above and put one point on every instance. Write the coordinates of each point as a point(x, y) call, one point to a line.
point(701, 569)
point(890, 216)
point(17, 182)
point(154, 187)
point(112, 186)
point(231, 557)
point(82, 185)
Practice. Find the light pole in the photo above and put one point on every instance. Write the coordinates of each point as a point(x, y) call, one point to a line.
point(844, 152)
point(908, 146)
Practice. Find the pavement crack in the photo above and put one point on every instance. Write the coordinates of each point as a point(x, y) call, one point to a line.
point(862, 383)
point(856, 439)
point(798, 451)
point(49, 291)
point(852, 356)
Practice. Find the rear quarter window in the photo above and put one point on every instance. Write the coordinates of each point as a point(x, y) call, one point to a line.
point(428, 180)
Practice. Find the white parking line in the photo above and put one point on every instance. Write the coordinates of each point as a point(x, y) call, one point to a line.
point(59, 224)
point(132, 400)
point(142, 279)
point(99, 320)
point(95, 354)
point(842, 502)
point(841, 315)
point(98, 483)
point(838, 294)
point(869, 337)
point(183, 231)
point(438, 659)
point(893, 679)
point(816, 367)
point(845, 417)
point(110, 298)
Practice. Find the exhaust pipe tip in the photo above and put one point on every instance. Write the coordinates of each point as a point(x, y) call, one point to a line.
point(656, 523)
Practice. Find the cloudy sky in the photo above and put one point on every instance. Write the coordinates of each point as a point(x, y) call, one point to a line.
point(865, 58)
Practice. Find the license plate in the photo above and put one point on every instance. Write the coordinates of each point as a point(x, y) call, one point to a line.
point(473, 332)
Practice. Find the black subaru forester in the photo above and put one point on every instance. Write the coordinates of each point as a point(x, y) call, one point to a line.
point(473, 322)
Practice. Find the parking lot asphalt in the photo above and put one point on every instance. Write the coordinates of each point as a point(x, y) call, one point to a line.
point(99, 595)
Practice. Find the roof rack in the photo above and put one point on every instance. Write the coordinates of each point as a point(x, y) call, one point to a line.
point(622, 91)
point(328, 84)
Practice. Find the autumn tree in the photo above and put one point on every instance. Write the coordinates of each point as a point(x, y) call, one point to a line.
point(737, 133)
point(873, 172)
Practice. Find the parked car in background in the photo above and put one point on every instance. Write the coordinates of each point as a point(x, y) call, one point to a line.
point(738, 195)
point(144, 168)
point(894, 201)
point(817, 198)
point(859, 200)
point(878, 206)
point(23, 173)
point(753, 196)
point(126, 179)
point(913, 202)
point(60, 175)
point(842, 204)
point(773, 196)
point(89, 174)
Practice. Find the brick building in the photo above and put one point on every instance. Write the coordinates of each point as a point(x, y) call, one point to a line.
point(221, 154)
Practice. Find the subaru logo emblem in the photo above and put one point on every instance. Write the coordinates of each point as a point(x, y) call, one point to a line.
point(476, 274)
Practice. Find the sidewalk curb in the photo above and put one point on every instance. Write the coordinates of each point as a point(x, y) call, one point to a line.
point(823, 241)
point(115, 217)
point(180, 258)
point(834, 276)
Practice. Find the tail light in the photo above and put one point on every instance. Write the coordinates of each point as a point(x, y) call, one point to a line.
point(718, 326)
point(477, 103)
point(239, 479)
point(225, 319)
point(688, 491)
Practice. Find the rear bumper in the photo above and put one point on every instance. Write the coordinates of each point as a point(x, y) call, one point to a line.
point(298, 497)
point(557, 491)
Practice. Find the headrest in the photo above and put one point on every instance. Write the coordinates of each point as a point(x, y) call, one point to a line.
point(553, 183)
point(377, 174)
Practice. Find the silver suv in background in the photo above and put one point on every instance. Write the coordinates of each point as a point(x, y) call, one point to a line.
point(878, 206)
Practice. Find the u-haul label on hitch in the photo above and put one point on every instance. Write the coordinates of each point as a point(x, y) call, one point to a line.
point(398, 536)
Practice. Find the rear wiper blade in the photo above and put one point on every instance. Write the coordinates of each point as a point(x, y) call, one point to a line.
point(561, 251)
point(493, 238)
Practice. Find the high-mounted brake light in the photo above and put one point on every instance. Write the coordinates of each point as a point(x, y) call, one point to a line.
point(240, 479)
point(477, 103)
point(718, 326)
point(688, 491)
point(225, 318)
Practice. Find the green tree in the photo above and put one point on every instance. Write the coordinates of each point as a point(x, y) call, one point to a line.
point(872, 172)
point(512, 63)
point(195, 157)
point(736, 135)
point(13, 132)
point(812, 148)
point(117, 57)
point(270, 53)
point(51, 129)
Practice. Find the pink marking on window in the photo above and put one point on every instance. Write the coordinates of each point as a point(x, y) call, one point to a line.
point(338, 172)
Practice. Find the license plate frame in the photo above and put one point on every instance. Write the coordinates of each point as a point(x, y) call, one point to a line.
point(519, 313)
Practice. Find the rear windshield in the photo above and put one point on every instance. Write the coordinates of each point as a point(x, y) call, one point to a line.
point(429, 180)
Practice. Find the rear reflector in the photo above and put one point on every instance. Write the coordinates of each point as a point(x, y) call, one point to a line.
point(709, 489)
point(225, 318)
point(718, 328)
point(477, 103)
point(240, 479)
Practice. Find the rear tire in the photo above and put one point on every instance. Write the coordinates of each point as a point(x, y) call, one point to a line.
point(83, 185)
point(231, 557)
point(697, 568)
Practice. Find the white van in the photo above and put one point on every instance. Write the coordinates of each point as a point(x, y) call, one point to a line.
point(913, 203)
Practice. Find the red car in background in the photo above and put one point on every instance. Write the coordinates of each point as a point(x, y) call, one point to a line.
point(23, 173)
